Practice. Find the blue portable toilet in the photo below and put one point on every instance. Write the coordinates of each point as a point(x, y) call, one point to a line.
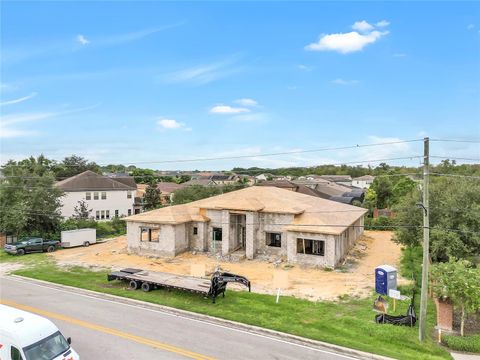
point(385, 279)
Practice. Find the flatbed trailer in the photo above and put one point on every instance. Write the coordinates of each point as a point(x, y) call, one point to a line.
point(150, 280)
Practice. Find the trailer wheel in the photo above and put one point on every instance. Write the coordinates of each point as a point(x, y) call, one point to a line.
point(134, 285)
point(146, 287)
point(86, 244)
point(51, 248)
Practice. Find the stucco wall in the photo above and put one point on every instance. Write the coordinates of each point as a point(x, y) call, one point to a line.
point(116, 200)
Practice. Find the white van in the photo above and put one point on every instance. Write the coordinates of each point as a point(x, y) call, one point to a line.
point(26, 336)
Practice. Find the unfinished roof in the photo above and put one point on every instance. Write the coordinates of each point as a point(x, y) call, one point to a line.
point(90, 181)
point(311, 214)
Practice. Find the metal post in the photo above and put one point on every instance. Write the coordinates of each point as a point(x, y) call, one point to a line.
point(426, 242)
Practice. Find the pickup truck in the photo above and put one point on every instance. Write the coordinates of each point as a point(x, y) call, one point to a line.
point(31, 244)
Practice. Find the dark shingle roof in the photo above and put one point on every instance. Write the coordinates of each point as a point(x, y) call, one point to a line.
point(88, 180)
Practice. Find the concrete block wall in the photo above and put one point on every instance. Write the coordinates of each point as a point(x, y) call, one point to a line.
point(164, 247)
point(313, 260)
point(274, 223)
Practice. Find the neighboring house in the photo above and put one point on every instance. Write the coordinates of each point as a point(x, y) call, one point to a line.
point(252, 221)
point(224, 179)
point(363, 182)
point(333, 191)
point(202, 181)
point(167, 190)
point(339, 179)
point(106, 197)
point(262, 177)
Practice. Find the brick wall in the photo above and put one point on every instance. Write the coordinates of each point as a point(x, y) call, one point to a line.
point(444, 314)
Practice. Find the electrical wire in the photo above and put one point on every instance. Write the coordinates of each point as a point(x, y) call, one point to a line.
point(266, 154)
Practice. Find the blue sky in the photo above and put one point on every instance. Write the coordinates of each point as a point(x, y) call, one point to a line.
point(131, 82)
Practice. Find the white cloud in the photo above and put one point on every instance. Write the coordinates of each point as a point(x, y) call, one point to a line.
point(171, 124)
point(6, 121)
point(226, 109)
point(304, 67)
point(399, 55)
point(471, 26)
point(202, 74)
point(352, 41)
point(341, 81)
point(362, 26)
point(345, 43)
point(382, 23)
point(19, 100)
point(246, 102)
point(254, 117)
point(82, 40)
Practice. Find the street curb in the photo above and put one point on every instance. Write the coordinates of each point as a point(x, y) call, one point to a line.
point(298, 340)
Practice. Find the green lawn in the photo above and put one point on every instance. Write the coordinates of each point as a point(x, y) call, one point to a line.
point(349, 322)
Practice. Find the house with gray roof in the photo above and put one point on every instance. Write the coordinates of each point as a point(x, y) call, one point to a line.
point(106, 197)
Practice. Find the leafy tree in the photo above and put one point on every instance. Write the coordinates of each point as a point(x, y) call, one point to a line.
point(194, 193)
point(152, 196)
point(144, 176)
point(384, 189)
point(182, 179)
point(81, 211)
point(402, 187)
point(458, 281)
point(29, 200)
point(370, 200)
point(73, 165)
point(454, 218)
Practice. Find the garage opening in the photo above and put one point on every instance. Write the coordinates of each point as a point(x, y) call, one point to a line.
point(310, 247)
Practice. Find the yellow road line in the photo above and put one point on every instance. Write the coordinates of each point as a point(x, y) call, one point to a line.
point(106, 330)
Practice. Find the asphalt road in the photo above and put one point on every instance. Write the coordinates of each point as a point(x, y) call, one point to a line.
point(105, 329)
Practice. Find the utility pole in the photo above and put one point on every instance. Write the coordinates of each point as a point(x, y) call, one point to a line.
point(426, 241)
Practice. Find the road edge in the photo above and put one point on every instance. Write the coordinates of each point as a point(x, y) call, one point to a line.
point(211, 319)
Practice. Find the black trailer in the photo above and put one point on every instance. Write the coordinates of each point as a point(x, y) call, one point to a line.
point(150, 280)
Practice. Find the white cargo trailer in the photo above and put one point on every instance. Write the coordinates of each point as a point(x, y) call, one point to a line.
point(80, 237)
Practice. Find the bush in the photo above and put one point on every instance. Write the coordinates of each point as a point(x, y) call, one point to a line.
point(411, 263)
point(115, 227)
point(462, 343)
point(380, 223)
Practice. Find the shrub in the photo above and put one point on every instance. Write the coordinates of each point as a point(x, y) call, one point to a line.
point(380, 223)
point(411, 263)
point(462, 343)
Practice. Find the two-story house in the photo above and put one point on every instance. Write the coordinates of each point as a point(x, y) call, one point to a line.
point(105, 197)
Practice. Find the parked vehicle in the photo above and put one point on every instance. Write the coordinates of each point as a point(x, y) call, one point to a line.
point(26, 336)
point(31, 244)
point(79, 237)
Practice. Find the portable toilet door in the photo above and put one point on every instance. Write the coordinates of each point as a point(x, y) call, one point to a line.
point(381, 277)
point(385, 279)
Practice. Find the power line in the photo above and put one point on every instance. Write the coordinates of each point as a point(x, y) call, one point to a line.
point(457, 141)
point(455, 158)
point(267, 154)
point(384, 227)
point(457, 176)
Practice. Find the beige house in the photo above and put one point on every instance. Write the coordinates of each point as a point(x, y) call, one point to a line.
point(252, 221)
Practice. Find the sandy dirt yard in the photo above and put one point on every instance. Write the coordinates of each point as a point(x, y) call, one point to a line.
point(355, 277)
